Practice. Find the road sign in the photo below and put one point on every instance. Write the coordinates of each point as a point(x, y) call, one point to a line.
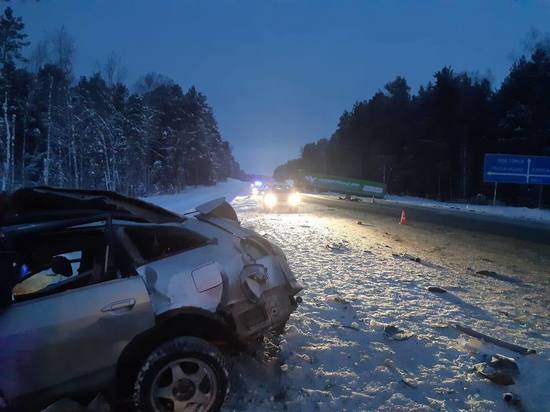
point(526, 170)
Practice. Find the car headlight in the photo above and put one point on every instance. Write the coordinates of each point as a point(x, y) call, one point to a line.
point(270, 200)
point(294, 199)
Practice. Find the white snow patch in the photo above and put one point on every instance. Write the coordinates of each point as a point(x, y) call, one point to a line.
point(510, 212)
point(522, 213)
point(191, 197)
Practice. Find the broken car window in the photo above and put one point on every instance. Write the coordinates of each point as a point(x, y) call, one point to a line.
point(57, 261)
point(157, 242)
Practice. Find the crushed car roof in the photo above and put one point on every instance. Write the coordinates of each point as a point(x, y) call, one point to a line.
point(40, 204)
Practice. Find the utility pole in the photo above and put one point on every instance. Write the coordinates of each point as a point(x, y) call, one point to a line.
point(464, 172)
point(12, 178)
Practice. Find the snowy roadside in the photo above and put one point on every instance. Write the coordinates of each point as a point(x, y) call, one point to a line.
point(508, 212)
point(336, 353)
point(523, 213)
point(187, 200)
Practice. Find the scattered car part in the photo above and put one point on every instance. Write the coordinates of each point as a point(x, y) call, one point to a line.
point(515, 348)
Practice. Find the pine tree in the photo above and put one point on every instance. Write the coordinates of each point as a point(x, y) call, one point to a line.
point(12, 41)
point(12, 38)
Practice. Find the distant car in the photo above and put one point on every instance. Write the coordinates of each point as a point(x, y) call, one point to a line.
point(280, 196)
point(104, 292)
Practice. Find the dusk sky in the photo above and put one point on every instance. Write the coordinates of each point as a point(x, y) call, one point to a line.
point(279, 73)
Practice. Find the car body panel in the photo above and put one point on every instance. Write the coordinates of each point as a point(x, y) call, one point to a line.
point(49, 341)
point(171, 283)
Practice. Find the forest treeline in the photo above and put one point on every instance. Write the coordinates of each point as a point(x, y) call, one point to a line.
point(432, 143)
point(92, 132)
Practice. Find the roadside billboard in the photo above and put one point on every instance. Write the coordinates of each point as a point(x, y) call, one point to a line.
point(344, 185)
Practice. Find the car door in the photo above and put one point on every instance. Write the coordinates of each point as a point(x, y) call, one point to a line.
point(64, 339)
point(60, 342)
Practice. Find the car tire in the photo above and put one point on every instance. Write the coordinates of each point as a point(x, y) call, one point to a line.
point(183, 371)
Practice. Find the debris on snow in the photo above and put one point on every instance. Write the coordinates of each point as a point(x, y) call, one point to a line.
point(405, 256)
point(353, 326)
point(405, 376)
point(499, 276)
point(338, 246)
point(292, 331)
point(304, 357)
point(511, 398)
point(394, 333)
point(349, 198)
point(500, 369)
point(377, 325)
point(436, 289)
point(361, 223)
point(337, 299)
point(515, 348)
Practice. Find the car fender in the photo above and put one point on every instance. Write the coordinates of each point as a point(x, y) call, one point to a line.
point(170, 287)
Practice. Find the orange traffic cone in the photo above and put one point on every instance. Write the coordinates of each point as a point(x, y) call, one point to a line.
point(403, 220)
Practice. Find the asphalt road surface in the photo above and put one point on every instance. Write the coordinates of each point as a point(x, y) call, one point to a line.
point(461, 240)
point(467, 221)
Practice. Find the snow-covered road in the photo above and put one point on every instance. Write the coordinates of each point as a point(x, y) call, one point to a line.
point(335, 354)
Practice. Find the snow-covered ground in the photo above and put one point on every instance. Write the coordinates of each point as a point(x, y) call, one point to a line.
point(193, 196)
point(335, 354)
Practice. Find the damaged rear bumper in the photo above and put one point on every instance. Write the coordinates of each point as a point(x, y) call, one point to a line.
point(252, 320)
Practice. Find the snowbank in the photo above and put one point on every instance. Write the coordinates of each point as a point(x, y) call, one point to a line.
point(193, 196)
point(508, 212)
point(522, 213)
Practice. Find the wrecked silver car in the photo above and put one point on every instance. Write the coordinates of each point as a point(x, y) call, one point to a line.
point(102, 292)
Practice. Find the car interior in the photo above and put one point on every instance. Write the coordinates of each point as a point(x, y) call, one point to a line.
point(58, 261)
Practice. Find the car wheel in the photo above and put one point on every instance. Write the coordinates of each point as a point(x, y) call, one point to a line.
point(185, 373)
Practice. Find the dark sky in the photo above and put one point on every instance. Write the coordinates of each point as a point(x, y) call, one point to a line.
point(279, 73)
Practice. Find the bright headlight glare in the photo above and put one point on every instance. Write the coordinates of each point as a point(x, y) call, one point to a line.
point(255, 191)
point(270, 200)
point(294, 199)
